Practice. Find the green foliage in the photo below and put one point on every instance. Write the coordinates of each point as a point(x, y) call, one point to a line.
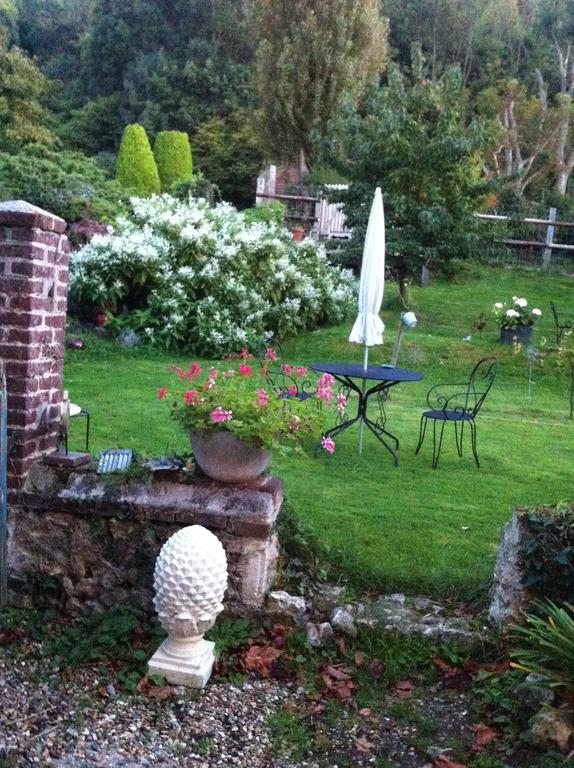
point(23, 92)
point(136, 169)
point(297, 96)
point(228, 152)
point(290, 734)
point(548, 553)
point(269, 213)
point(65, 183)
point(414, 138)
point(173, 158)
point(547, 644)
point(229, 634)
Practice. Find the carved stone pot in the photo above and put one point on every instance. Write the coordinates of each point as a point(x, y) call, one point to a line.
point(225, 457)
point(522, 334)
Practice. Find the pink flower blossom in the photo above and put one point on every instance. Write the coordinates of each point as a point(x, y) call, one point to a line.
point(263, 398)
point(162, 393)
point(341, 404)
point(292, 390)
point(300, 370)
point(325, 388)
point(328, 444)
point(245, 370)
point(228, 374)
point(286, 369)
point(190, 397)
point(244, 354)
point(271, 354)
point(220, 416)
point(193, 371)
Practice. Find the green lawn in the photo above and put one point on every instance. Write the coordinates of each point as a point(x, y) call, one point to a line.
point(411, 527)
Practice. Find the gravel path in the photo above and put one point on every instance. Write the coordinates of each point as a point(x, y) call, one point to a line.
point(84, 723)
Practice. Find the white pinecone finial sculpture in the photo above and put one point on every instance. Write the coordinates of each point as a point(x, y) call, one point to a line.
point(190, 580)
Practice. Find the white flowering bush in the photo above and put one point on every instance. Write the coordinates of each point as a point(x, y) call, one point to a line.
point(206, 279)
point(511, 316)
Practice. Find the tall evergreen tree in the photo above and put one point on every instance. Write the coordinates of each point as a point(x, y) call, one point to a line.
point(136, 169)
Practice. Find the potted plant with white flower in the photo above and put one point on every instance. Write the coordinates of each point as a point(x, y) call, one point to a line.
point(515, 320)
point(235, 419)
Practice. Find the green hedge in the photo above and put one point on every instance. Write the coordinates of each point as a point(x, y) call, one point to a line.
point(173, 158)
point(136, 169)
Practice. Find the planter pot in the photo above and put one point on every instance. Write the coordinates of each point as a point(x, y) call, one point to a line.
point(522, 334)
point(298, 233)
point(225, 457)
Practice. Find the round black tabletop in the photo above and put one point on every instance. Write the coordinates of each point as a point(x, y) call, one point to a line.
point(371, 373)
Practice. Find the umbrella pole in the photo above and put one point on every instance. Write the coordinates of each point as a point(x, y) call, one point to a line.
point(362, 424)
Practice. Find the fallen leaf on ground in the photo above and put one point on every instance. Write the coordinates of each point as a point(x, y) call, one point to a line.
point(443, 761)
point(260, 659)
point(359, 658)
point(363, 744)
point(365, 712)
point(483, 736)
point(404, 689)
point(155, 692)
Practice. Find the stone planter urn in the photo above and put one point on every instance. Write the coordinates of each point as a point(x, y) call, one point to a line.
point(522, 334)
point(190, 580)
point(225, 457)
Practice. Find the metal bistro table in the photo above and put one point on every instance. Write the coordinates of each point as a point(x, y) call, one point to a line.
point(386, 377)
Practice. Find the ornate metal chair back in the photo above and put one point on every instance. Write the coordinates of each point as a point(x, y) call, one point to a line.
point(284, 379)
point(479, 384)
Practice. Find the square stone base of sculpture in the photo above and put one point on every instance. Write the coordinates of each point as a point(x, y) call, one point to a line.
point(184, 662)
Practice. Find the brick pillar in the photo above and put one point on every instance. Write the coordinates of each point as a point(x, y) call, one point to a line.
point(33, 296)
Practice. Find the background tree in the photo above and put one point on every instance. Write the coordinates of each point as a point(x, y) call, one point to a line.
point(136, 169)
point(23, 92)
point(415, 139)
point(311, 53)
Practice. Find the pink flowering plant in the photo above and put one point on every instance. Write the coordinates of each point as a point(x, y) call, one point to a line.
point(236, 396)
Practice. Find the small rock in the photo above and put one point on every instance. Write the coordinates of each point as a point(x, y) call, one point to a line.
point(329, 597)
point(342, 621)
point(313, 635)
point(534, 692)
point(549, 728)
point(326, 634)
point(397, 599)
point(283, 604)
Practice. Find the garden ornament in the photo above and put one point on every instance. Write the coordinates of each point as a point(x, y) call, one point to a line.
point(408, 320)
point(368, 328)
point(190, 580)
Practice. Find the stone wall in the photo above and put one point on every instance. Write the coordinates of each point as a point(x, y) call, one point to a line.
point(83, 543)
point(33, 296)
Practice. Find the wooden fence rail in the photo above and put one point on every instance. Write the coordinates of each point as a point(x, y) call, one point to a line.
point(548, 244)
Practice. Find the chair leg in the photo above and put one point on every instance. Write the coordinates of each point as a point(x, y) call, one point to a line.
point(435, 452)
point(422, 432)
point(473, 442)
point(457, 437)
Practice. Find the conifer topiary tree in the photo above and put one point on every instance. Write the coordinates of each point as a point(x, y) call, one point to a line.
point(136, 169)
point(173, 158)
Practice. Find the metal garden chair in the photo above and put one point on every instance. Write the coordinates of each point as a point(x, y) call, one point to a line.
point(562, 322)
point(459, 404)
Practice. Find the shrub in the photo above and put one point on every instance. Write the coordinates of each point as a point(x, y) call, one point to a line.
point(199, 278)
point(136, 168)
point(173, 158)
point(547, 643)
point(67, 184)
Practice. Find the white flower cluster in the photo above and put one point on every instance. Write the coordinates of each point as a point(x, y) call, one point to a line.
point(205, 279)
point(517, 314)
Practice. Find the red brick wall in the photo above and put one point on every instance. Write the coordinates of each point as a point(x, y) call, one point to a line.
point(33, 297)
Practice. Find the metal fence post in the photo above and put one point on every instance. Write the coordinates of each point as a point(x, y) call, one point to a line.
point(547, 253)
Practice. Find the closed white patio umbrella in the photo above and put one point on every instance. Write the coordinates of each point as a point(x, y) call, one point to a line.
point(368, 328)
